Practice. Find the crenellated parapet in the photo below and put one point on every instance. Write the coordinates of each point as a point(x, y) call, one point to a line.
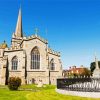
point(36, 37)
point(21, 39)
point(53, 52)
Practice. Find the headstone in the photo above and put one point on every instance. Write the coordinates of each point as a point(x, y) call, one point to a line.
point(40, 84)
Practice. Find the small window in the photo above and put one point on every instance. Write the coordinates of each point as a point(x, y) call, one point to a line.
point(52, 65)
point(14, 63)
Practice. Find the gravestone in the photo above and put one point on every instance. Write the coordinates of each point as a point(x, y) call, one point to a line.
point(40, 84)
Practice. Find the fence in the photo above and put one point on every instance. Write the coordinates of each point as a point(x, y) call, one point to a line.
point(79, 84)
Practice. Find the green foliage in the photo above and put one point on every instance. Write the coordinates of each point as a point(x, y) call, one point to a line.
point(14, 83)
point(92, 66)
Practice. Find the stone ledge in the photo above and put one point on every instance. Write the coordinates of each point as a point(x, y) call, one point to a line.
point(36, 71)
point(79, 93)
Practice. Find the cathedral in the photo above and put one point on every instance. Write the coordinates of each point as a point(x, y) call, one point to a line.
point(29, 58)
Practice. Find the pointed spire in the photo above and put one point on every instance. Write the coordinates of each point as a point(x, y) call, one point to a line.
point(96, 62)
point(18, 31)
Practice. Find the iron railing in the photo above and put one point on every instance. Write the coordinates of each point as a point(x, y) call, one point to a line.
point(79, 84)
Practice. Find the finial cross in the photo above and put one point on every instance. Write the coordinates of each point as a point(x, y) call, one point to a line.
point(36, 31)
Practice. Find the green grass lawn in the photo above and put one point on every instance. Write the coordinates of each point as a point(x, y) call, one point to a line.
point(45, 93)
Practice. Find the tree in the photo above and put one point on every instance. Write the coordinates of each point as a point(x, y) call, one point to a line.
point(92, 66)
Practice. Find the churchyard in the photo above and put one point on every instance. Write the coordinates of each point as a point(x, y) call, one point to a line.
point(32, 92)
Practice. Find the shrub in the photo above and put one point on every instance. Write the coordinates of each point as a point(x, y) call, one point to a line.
point(14, 83)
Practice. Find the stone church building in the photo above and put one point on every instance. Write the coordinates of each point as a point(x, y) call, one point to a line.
point(29, 58)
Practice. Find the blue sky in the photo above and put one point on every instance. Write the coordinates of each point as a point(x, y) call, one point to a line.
point(73, 26)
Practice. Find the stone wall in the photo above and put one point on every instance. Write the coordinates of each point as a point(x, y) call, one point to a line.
point(24, 70)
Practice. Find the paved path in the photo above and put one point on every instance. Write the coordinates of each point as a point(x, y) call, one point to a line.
point(81, 94)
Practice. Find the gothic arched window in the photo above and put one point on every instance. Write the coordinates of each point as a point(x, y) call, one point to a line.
point(52, 65)
point(35, 59)
point(14, 63)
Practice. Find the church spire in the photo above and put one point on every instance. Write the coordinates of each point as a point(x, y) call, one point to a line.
point(18, 31)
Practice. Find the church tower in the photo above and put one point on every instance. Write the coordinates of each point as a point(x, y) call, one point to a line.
point(18, 34)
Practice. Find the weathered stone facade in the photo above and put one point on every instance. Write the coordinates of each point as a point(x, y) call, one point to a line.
point(21, 48)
